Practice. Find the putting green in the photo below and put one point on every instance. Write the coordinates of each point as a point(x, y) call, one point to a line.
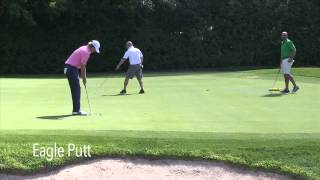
point(227, 116)
point(236, 102)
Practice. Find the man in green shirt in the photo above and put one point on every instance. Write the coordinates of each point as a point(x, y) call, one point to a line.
point(288, 51)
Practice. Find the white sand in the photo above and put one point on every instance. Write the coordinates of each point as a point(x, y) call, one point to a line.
point(140, 169)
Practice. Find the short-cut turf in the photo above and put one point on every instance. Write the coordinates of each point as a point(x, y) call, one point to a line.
point(227, 116)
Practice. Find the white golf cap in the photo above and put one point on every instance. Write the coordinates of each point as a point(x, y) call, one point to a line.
point(96, 45)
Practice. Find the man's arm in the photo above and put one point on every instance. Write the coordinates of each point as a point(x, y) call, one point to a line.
point(120, 63)
point(280, 60)
point(293, 54)
point(141, 58)
point(84, 74)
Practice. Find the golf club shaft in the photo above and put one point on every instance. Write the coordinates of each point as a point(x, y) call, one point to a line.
point(100, 86)
point(85, 87)
point(274, 83)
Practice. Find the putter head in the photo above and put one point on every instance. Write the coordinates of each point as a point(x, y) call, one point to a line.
point(275, 89)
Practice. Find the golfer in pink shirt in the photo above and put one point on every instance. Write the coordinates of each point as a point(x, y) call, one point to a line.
point(76, 64)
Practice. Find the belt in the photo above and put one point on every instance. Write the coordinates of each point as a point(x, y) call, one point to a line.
point(70, 66)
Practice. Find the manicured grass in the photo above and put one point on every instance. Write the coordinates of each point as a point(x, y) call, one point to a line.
point(227, 116)
point(297, 154)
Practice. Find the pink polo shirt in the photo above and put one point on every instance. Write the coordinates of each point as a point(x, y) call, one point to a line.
point(79, 57)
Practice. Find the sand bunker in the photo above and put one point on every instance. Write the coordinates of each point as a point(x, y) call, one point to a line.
point(141, 169)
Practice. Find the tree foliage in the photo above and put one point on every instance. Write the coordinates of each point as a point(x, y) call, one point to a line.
point(36, 36)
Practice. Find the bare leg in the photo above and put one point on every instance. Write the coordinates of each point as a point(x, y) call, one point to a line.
point(292, 81)
point(125, 84)
point(286, 79)
point(140, 83)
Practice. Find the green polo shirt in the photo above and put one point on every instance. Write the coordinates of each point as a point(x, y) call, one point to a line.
point(286, 48)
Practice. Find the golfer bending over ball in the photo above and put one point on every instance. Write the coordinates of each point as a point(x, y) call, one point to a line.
point(75, 63)
point(135, 69)
point(288, 51)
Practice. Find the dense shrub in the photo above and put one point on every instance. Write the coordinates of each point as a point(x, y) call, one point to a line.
point(36, 36)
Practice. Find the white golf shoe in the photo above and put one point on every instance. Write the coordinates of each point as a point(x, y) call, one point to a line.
point(80, 113)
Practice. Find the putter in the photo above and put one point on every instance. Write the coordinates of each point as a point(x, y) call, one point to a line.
point(85, 87)
point(274, 83)
point(100, 86)
point(103, 82)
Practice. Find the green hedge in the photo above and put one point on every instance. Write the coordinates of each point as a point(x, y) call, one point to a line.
point(36, 36)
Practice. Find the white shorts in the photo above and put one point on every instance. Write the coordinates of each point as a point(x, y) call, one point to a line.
point(286, 66)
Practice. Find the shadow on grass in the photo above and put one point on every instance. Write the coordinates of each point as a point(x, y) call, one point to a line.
point(56, 117)
point(274, 95)
point(117, 94)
